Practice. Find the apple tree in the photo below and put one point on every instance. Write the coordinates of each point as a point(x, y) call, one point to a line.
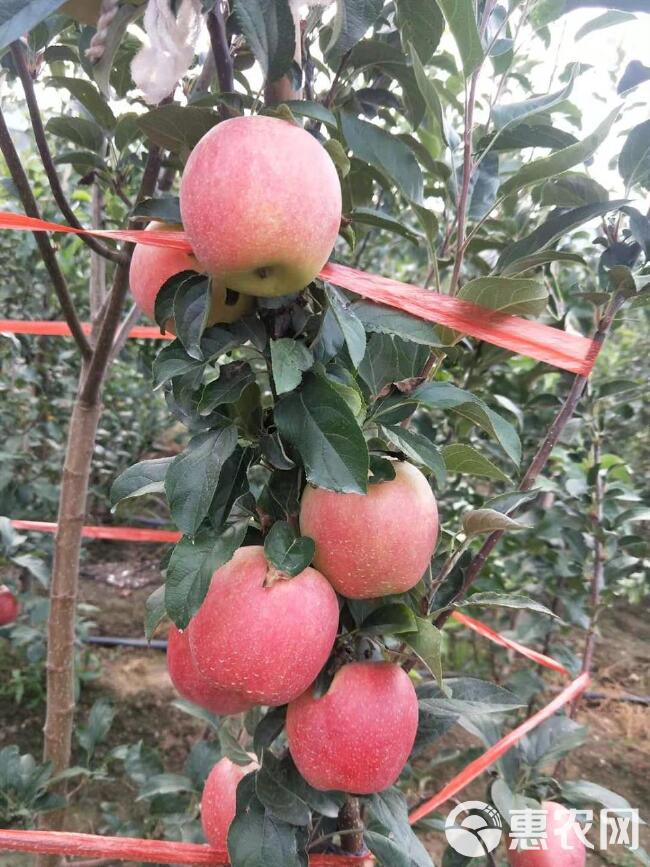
point(429, 119)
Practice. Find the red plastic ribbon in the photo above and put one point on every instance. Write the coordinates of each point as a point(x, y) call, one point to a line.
point(135, 849)
point(497, 638)
point(551, 345)
point(122, 534)
point(49, 328)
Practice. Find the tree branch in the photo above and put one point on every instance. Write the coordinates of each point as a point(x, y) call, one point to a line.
point(18, 54)
point(21, 182)
point(113, 309)
point(123, 333)
point(538, 462)
point(221, 49)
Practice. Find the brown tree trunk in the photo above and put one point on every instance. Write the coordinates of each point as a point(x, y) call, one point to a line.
point(63, 590)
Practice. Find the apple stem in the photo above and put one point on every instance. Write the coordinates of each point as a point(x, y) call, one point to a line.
point(351, 823)
point(274, 575)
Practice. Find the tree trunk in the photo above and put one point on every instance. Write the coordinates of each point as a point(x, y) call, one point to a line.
point(63, 591)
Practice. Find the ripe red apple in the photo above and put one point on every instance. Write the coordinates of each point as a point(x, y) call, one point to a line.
point(264, 637)
point(261, 205)
point(219, 800)
point(152, 266)
point(191, 685)
point(359, 735)
point(555, 855)
point(374, 544)
point(9, 606)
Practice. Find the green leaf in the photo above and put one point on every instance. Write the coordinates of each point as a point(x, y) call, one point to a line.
point(18, 17)
point(634, 159)
point(572, 190)
point(257, 838)
point(393, 619)
point(586, 792)
point(234, 379)
point(79, 130)
point(100, 720)
point(177, 128)
point(352, 20)
point(385, 152)
point(461, 18)
point(382, 220)
point(443, 395)
point(174, 361)
point(352, 329)
point(429, 93)
point(417, 448)
point(270, 32)
point(165, 784)
point(421, 25)
point(504, 115)
point(461, 458)
point(88, 95)
point(536, 260)
point(191, 307)
point(385, 320)
point(480, 521)
point(191, 567)
point(289, 553)
point(561, 160)
point(105, 68)
point(389, 359)
point(312, 110)
point(83, 161)
point(426, 643)
point(322, 427)
point(146, 477)
point(166, 208)
point(154, 611)
point(518, 296)
point(525, 135)
point(554, 227)
point(339, 157)
point(607, 19)
point(506, 600)
point(289, 359)
point(192, 477)
point(389, 835)
point(231, 748)
point(277, 785)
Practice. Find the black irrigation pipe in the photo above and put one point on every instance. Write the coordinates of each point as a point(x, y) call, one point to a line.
point(110, 641)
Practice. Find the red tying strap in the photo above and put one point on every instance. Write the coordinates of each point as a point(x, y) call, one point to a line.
point(552, 345)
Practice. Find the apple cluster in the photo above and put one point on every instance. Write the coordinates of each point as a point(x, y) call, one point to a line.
point(261, 638)
point(260, 203)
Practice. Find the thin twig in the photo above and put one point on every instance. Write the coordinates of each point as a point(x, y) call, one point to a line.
point(123, 333)
point(598, 577)
point(539, 461)
point(23, 186)
point(18, 55)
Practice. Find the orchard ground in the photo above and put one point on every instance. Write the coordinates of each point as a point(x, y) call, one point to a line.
point(617, 754)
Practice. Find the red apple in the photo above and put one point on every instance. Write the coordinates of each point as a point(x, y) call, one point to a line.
point(191, 685)
point(374, 544)
point(261, 205)
point(359, 735)
point(263, 636)
point(9, 606)
point(555, 855)
point(153, 266)
point(219, 800)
